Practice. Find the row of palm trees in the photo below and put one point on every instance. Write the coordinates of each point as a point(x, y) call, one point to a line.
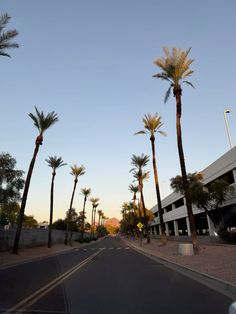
point(43, 122)
point(175, 68)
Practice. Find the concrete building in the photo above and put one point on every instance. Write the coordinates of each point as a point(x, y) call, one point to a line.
point(175, 211)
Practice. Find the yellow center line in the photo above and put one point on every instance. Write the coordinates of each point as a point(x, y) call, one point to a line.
point(28, 301)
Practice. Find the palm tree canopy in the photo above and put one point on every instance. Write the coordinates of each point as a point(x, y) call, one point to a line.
point(133, 188)
point(139, 161)
point(6, 37)
point(77, 171)
point(42, 122)
point(86, 192)
point(152, 124)
point(143, 175)
point(55, 162)
point(175, 67)
point(94, 200)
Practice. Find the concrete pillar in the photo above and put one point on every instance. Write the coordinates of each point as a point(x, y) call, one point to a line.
point(159, 229)
point(211, 227)
point(234, 174)
point(188, 226)
point(167, 229)
point(176, 228)
point(173, 206)
point(155, 230)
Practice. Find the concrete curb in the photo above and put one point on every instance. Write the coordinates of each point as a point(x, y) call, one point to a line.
point(221, 286)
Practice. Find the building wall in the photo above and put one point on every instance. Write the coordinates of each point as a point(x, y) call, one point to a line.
point(223, 165)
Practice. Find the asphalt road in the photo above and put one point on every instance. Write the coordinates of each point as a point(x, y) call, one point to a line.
point(104, 277)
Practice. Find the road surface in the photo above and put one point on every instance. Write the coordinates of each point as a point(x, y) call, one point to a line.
point(105, 277)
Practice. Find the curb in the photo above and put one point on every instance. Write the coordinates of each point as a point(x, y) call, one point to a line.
point(221, 286)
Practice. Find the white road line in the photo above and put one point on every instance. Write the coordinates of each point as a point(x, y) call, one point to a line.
point(111, 248)
point(28, 301)
point(127, 248)
point(119, 248)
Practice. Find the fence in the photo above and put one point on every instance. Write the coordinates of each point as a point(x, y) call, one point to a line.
point(32, 237)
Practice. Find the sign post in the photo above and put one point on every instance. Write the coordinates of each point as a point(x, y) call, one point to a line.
point(140, 227)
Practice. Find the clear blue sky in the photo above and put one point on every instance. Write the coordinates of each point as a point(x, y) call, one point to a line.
point(92, 62)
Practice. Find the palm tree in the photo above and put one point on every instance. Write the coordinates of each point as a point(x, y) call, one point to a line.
point(42, 123)
point(86, 192)
point(175, 69)
point(54, 163)
point(139, 162)
point(99, 216)
point(75, 172)
point(134, 189)
point(94, 201)
point(152, 124)
point(6, 37)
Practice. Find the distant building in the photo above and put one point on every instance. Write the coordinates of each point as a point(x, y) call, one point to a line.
point(43, 225)
point(175, 211)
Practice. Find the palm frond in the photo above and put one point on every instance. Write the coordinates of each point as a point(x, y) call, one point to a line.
point(162, 133)
point(77, 171)
point(140, 132)
point(55, 162)
point(42, 122)
point(189, 83)
point(167, 95)
point(6, 37)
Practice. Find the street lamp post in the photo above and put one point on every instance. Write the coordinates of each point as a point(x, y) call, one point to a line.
point(227, 126)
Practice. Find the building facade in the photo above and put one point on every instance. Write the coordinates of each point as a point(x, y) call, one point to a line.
point(175, 211)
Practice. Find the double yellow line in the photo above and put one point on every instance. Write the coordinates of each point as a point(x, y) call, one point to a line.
point(33, 298)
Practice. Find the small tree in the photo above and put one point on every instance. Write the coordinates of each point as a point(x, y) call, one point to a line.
point(210, 198)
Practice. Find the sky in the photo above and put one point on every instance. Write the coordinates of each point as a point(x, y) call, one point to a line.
point(92, 63)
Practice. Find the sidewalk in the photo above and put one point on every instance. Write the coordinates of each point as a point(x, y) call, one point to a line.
point(8, 259)
point(218, 261)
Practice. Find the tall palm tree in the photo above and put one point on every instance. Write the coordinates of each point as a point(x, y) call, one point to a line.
point(54, 163)
point(94, 201)
point(6, 37)
point(152, 124)
point(175, 68)
point(139, 162)
point(85, 192)
point(42, 123)
point(75, 172)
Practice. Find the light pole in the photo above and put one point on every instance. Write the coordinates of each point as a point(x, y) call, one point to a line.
point(227, 126)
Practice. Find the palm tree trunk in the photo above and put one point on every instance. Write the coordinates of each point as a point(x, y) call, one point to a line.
point(24, 199)
point(82, 233)
point(92, 223)
point(51, 212)
point(94, 218)
point(69, 213)
point(177, 94)
point(160, 209)
point(144, 211)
